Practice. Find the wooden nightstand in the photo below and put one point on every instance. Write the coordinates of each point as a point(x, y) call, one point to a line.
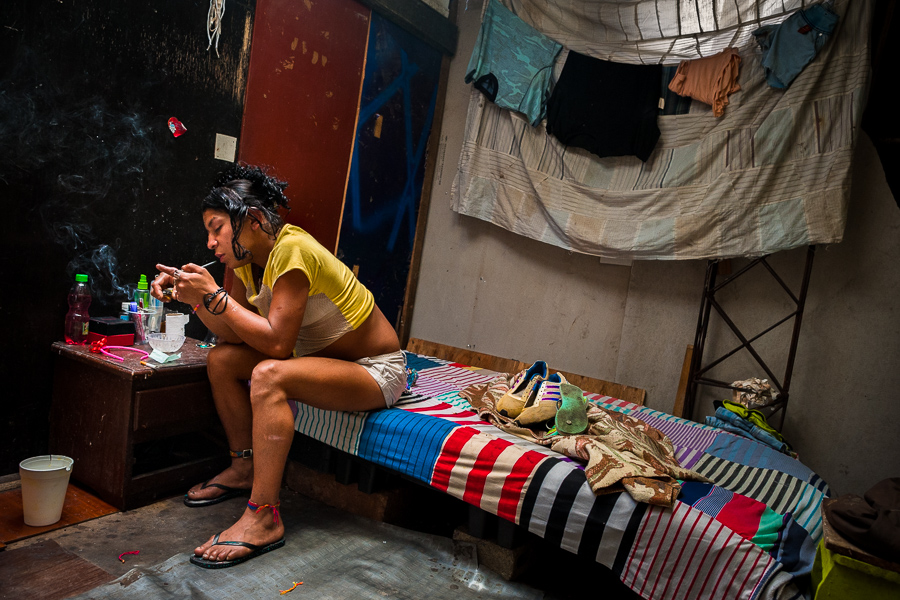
point(137, 433)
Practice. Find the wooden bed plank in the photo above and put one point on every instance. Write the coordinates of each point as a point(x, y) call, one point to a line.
point(465, 357)
point(508, 365)
point(680, 395)
point(607, 388)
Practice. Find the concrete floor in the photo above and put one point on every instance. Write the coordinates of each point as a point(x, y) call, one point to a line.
point(167, 528)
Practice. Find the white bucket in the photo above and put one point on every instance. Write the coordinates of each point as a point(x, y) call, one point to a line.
point(175, 323)
point(44, 483)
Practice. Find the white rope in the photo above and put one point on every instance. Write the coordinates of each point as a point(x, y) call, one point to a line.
point(214, 23)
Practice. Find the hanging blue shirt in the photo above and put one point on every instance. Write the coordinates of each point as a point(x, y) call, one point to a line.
point(512, 63)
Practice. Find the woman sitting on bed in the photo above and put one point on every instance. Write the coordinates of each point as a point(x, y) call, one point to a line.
point(296, 324)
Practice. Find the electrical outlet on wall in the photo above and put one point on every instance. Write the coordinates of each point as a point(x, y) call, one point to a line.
point(225, 147)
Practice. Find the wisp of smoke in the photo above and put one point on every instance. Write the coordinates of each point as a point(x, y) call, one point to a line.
point(78, 148)
point(102, 267)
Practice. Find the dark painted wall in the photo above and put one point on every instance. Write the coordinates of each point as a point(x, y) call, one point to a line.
point(91, 179)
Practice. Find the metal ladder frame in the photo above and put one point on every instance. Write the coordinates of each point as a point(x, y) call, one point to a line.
point(708, 302)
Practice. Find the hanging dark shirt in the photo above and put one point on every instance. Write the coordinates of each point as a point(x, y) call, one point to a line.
point(607, 108)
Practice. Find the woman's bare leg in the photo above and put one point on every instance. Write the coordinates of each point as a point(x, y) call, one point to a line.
point(322, 382)
point(229, 367)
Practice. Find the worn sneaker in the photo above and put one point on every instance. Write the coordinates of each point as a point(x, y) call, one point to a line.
point(543, 404)
point(513, 402)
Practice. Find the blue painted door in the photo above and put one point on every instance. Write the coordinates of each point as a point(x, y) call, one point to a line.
point(378, 224)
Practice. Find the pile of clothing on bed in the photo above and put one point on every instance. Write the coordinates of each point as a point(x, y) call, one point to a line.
point(748, 422)
point(620, 451)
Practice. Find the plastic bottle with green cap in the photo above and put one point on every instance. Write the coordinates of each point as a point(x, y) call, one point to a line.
point(142, 295)
point(77, 319)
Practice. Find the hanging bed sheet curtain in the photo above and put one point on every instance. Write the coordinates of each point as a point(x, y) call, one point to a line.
point(773, 173)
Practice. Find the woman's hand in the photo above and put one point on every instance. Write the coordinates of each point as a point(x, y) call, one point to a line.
point(191, 283)
point(160, 284)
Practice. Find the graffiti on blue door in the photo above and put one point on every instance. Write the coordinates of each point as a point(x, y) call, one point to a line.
point(387, 170)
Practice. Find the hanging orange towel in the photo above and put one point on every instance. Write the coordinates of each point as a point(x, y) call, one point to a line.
point(709, 79)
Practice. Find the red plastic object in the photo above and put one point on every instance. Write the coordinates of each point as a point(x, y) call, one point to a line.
point(176, 127)
point(100, 347)
point(121, 339)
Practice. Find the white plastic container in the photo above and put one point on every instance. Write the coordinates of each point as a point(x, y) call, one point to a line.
point(44, 483)
point(175, 323)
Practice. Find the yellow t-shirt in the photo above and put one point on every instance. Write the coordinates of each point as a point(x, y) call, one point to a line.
point(337, 302)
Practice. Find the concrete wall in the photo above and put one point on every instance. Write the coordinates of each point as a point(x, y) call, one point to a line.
point(484, 288)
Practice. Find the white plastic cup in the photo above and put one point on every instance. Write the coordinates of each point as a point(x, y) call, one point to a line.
point(154, 324)
point(44, 483)
point(175, 323)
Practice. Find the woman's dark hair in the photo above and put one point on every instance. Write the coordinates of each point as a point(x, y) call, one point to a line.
point(241, 188)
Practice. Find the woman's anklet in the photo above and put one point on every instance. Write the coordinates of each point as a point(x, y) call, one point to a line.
point(258, 507)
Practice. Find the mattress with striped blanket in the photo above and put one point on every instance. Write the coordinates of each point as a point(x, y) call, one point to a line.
point(751, 533)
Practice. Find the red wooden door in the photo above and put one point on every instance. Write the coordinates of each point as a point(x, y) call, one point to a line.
point(306, 68)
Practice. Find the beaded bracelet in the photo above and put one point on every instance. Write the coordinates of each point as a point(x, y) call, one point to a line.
point(194, 310)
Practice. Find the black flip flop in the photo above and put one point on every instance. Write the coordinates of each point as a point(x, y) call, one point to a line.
point(230, 492)
point(224, 564)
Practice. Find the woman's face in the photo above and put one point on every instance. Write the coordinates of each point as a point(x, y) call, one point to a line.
point(219, 234)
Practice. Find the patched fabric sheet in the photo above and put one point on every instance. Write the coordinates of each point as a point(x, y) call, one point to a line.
point(772, 173)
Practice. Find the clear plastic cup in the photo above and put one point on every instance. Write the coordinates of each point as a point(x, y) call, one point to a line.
point(146, 321)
